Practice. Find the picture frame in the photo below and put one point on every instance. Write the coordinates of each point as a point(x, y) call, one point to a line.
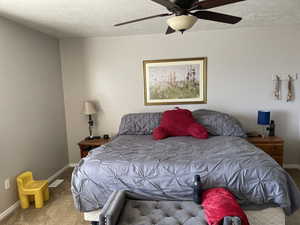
point(175, 81)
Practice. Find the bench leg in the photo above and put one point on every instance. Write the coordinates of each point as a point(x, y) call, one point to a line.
point(94, 223)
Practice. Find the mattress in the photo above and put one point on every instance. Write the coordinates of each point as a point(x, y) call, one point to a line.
point(164, 170)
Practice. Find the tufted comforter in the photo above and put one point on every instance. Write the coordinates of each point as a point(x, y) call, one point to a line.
point(164, 170)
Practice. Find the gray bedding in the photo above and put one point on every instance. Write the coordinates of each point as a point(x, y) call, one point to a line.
point(164, 170)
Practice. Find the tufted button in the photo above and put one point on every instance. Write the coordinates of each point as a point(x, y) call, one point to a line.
point(167, 215)
point(178, 207)
point(135, 206)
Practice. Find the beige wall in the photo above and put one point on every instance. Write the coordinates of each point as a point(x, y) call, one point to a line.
point(241, 63)
point(32, 122)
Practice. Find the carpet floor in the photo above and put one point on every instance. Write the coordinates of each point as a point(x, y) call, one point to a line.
point(59, 210)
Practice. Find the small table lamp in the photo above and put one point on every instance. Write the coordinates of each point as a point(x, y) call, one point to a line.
point(263, 119)
point(89, 109)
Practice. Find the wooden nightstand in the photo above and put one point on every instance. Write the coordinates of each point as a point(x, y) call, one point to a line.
point(271, 145)
point(87, 145)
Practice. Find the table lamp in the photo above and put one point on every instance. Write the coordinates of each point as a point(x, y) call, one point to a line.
point(263, 119)
point(89, 109)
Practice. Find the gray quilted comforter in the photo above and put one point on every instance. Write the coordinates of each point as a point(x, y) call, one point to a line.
point(165, 169)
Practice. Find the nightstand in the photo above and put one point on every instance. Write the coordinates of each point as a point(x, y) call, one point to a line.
point(87, 145)
point(271, 145)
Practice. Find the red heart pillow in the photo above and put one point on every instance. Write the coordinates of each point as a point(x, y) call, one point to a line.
point(179, 122)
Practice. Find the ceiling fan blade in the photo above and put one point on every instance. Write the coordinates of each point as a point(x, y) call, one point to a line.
point(169, 5)
point(208, 4)
point(218, 17)
point(170, 30)
point(141, 19)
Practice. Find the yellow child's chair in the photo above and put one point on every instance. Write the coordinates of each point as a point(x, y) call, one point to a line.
point(27, 187)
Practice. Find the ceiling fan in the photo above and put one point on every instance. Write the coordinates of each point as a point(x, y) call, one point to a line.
point(187, 12)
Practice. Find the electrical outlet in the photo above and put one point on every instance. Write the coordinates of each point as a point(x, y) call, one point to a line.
point(7, 184)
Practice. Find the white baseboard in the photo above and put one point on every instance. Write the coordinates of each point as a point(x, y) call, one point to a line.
point(73, 164)
point(54, 176)
point(291, 166)
point(10, 210)
point(16, 205)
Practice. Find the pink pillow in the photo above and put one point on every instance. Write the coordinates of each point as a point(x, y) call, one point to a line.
point(179, 122)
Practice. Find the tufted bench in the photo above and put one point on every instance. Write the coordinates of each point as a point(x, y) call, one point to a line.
point(123, 209)
point(161, 212)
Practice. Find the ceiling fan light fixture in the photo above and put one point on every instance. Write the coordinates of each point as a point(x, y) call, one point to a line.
point(180, 23)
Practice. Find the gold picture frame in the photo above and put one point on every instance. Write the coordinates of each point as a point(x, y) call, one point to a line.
point(175, 81)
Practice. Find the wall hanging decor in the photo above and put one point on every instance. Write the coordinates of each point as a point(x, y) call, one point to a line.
point(283, 85)
point(290, 89)
point(175, 81)
point(277, 88)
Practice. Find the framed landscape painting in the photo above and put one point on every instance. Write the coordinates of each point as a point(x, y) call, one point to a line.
point(175, 81)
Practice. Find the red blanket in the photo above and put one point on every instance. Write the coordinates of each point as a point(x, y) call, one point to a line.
point(218, 203)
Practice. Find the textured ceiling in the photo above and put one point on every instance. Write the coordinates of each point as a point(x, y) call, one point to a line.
point(87, 18)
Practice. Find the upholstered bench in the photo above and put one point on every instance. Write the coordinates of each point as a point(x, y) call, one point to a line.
point(122, 208)
point(267, 216)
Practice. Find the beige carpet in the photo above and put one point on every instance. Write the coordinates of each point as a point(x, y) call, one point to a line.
point(295, 218)
point(59, 210)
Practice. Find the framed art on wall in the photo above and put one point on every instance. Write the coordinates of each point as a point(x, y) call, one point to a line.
point(175, 81)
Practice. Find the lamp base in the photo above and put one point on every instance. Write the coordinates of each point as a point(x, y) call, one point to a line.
point(89, 138)
point(92, 137)
point(264, 133)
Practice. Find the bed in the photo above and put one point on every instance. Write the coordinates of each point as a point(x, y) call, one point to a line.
point(164, 170)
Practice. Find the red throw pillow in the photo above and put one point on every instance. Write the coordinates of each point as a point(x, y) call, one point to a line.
point(218, 203)
point(159, 133)
point(179, 122)
point(198, 131)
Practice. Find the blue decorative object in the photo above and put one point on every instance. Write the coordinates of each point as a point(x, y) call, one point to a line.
point(263, 117)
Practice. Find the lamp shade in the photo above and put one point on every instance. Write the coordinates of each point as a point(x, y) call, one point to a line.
point(88, 108)
point(182, 22)
point(263, 117)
